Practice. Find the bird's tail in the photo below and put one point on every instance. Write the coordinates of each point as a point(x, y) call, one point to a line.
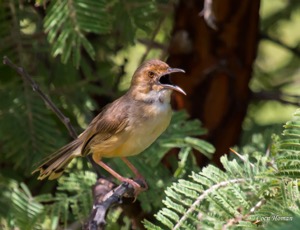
point(56, 163)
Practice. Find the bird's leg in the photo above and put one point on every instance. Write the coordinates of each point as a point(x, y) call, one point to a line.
point(132, 168)
point(136, 186)
point(135, 171)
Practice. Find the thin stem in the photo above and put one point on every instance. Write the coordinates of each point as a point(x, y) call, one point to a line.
point(241, 157)
point(35, 87)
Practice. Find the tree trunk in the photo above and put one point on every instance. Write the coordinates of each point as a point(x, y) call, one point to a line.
point(218, 65)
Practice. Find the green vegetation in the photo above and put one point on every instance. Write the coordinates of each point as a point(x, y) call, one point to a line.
point(82, 53)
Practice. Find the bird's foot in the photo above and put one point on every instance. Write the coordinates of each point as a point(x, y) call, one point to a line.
point(138, 187)
point(142, 182)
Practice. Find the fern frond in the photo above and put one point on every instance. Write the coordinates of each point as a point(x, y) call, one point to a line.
point(79, 198)
point(67, 23)
point(189, 195)
point(250, 192)
point(23, 210)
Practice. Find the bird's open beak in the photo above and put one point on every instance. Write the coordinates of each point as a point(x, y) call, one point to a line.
point(166, 81)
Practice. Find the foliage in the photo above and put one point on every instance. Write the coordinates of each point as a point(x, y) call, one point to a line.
point(178, 135)
point(47, 211)
point(275, 72)
point(73, 199)
point(79, 51)
point(69, 29)
point(67, 23)
point(257, 190)
point(90, 36)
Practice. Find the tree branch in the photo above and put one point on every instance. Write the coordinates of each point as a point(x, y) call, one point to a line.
point(288, 99)
point(35, 87)
point(104, 198)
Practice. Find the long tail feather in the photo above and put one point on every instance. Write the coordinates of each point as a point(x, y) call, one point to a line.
point(56, 163)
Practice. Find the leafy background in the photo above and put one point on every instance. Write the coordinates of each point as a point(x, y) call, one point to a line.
point(82, 53)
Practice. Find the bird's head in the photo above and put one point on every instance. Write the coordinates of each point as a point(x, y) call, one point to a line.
point(154, 76)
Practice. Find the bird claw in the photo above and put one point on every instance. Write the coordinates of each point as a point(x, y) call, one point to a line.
point(137, 187)
point(142, 183)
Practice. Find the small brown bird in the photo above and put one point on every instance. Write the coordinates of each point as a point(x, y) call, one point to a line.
point(125, 127)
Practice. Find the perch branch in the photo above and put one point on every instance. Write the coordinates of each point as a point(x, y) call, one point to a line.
point(104, 198)
point(110, 197)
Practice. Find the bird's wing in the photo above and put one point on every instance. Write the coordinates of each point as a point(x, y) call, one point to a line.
point(112, 120)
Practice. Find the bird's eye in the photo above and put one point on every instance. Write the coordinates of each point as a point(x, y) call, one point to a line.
point(151, 74)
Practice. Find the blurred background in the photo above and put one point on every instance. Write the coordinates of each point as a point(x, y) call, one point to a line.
point(242, 78)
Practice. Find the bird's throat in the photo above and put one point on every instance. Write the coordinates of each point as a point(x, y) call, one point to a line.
point(152, 96)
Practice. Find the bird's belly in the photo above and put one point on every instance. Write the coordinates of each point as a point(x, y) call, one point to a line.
point(135, 138)
point(141, 138)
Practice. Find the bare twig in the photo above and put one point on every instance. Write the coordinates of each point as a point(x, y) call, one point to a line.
point(35, 87)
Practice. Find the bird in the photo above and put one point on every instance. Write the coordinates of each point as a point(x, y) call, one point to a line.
point(125, 127)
